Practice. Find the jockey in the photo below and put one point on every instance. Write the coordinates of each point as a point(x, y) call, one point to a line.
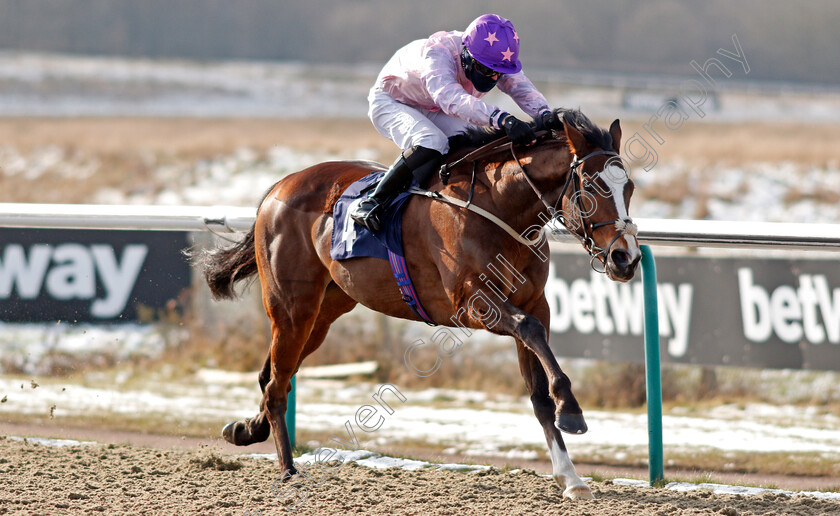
point(431, 89)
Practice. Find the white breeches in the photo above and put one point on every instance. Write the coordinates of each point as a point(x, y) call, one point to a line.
point(407, 126)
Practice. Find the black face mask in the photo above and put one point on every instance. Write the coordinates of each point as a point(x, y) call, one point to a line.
point(477, 73)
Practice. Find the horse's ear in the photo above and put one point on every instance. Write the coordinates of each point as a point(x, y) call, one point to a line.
point(577, 143)
point(615, 132)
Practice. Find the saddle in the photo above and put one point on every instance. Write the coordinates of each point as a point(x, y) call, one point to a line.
point(350, 240)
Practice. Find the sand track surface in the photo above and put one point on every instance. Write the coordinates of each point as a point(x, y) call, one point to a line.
point(92, 478)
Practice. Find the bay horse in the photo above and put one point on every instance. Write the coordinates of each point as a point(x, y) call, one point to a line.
point(573, 172)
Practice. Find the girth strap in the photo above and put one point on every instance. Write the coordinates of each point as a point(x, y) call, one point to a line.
point(409, 295)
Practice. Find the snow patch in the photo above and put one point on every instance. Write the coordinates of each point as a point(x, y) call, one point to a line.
point(57, 443)
point(375, 460)
point(743, 490)
point(630, 482)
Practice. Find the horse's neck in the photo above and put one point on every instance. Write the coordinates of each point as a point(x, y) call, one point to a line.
point(515, 200)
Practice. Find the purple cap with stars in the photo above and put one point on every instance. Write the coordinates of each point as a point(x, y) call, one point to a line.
point(493, 42)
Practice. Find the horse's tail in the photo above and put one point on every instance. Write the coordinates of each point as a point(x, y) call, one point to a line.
point(225, 266)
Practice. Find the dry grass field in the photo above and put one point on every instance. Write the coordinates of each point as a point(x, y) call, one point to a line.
point(121, 153)
point(734, 143)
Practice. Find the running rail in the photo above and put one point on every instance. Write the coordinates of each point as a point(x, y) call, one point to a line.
point(661, 232)
point(726, 234)
point(227, 219)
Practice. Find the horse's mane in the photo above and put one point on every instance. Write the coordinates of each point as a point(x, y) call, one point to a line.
point(478, 136)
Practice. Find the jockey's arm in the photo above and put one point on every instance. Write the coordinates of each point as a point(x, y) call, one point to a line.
point(524, 93)
point(439, 77)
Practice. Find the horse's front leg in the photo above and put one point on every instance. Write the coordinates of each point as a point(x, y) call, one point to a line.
point(563, 470)
point(531, 331)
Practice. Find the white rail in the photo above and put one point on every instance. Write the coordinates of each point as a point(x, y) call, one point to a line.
point(670, 232)
point(716, 233)
point(101, 216)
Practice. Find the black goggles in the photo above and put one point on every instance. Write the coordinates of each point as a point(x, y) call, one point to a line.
point(485, 71)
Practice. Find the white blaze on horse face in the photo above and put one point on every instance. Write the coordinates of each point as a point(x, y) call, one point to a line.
point(616, 179)
point(563, 470)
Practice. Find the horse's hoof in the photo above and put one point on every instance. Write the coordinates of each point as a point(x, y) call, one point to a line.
point(227, 432)
point(578, 493)
point(243, 433)
point(571, 423)
point(289, 476)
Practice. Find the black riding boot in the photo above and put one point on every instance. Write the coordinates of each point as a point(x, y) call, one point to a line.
point(417, 161)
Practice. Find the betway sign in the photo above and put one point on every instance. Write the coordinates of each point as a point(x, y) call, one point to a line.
point(88, 275)
point(775, 313)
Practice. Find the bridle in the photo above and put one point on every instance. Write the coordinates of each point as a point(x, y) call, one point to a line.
point(623, 226)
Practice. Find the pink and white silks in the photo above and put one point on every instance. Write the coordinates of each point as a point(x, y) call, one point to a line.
point(422, 95)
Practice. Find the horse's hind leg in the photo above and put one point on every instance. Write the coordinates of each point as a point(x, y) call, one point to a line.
point(335, 304)
point(287, 355)
point(255, 429)
point(563, 470)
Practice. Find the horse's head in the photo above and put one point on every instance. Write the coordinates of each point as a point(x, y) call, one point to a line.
point(595, 198)
point(585, 186)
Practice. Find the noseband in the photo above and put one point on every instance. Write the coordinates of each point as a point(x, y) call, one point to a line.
point(623, 226)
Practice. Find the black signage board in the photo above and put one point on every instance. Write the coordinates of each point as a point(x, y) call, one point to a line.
point(89, 275)
point(748, 312)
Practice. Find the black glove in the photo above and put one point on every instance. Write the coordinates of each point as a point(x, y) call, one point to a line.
point(518, 131)
point(544, 120)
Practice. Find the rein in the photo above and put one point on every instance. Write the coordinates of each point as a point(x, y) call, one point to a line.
point(473, 157)
point(623, 226)
point(478, 210)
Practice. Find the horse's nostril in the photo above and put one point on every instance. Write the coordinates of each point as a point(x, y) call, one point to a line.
point(620, 258)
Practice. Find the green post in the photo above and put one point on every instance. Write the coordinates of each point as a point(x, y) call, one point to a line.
point(290, 413)
point(653, 375)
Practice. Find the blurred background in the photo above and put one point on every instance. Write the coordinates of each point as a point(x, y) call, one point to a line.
point(210, 102)
point(785, 41)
